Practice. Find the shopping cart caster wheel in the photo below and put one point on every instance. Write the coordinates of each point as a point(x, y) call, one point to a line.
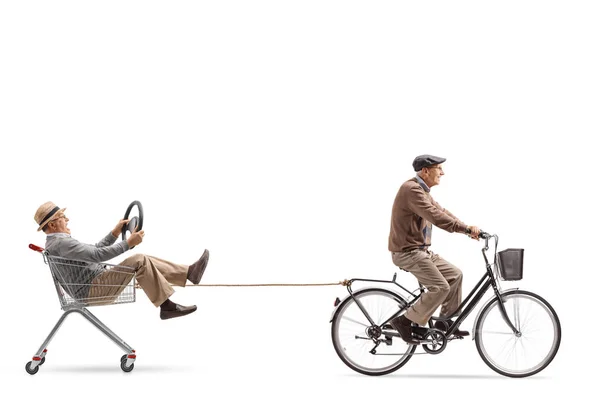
point(123, 367)
point(123, 358)
point(32, 371)
point(42, 361)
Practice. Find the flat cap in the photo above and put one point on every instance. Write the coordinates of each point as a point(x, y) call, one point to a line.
point(426, 160)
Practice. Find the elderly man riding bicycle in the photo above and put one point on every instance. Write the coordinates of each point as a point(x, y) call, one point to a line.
point(413, 213)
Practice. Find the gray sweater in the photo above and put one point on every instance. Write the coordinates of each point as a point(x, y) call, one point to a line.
point(82, 263)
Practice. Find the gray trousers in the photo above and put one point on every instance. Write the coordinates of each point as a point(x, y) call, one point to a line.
point(442, 280)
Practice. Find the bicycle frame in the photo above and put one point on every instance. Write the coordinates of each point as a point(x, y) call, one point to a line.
point(465, 308)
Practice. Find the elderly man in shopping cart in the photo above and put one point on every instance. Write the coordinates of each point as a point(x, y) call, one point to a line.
point(154, 275)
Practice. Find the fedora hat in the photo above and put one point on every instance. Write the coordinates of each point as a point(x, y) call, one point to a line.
point(46, 213)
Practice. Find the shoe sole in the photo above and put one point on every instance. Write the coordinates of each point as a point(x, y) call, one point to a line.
point(177, 315)
point(202, 267)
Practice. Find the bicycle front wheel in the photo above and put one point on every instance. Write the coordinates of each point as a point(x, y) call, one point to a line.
point(371, 349)
point(532, 348)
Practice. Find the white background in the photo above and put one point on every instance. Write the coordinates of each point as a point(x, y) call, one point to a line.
point(276, 134)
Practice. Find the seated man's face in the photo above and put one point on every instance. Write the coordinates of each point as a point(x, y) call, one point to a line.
point(59, 224)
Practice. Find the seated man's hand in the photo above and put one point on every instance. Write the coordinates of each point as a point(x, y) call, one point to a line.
point(135, 238)
point(117, 230)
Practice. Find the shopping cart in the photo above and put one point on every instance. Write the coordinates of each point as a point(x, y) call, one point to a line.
point(73, 281)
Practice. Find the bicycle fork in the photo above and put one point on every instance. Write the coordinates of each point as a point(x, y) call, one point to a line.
point(497, 293)
point(505, 314)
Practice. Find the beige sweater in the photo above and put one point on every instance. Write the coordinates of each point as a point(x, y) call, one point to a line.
point(413, 213)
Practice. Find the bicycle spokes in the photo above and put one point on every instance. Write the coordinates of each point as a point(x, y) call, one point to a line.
point(531, 348)
point(372, 349)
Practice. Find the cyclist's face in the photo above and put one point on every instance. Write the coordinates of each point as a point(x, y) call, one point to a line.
point(433, 175)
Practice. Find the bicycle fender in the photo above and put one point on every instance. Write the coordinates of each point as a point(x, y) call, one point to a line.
point(357, 292)
point(492, 299)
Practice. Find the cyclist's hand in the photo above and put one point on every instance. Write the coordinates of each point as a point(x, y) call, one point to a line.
point(117, 230)
point(474, 232)
point(135, 238)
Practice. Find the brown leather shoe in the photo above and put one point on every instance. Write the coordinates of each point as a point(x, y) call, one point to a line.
point(196, 270)
point(179, 311)
point(445, 324)
point(404, 328)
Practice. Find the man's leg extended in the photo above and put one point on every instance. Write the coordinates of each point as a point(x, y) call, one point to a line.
point(156, 275)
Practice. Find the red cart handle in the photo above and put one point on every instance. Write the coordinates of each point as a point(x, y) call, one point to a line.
point(36, 248)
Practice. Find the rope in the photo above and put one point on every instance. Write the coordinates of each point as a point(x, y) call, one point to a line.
point(345, 282)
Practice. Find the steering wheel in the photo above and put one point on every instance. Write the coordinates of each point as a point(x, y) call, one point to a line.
point(135, 222)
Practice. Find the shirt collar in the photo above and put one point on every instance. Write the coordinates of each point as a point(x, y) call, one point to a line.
point(58, 235)
point(422, 183)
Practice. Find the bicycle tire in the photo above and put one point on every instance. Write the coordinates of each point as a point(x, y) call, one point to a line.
point(349, 310)
point(520, 306)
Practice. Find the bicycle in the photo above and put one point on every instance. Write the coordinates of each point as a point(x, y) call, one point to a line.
point(517, 333)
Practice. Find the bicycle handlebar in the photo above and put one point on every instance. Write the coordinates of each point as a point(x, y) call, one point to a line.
point(482, 234)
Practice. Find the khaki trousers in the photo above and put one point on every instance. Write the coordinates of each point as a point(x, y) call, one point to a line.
point(442, 280)
point(153, 274)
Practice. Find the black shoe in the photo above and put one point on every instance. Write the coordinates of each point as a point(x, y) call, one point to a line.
point(196, 270)
point(445, 324)
point(179, 311)
point(420, 332)
point(404, 328)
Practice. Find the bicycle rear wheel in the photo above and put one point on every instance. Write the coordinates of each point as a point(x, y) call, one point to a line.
point(524, 354)
point(355, 339)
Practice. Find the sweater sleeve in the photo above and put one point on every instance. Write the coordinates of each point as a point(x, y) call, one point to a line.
point(106, 240)
point(448, 212)
point(424, 207)
point(74, 249)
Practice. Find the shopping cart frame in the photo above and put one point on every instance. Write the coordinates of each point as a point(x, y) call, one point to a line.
point(72, 305)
